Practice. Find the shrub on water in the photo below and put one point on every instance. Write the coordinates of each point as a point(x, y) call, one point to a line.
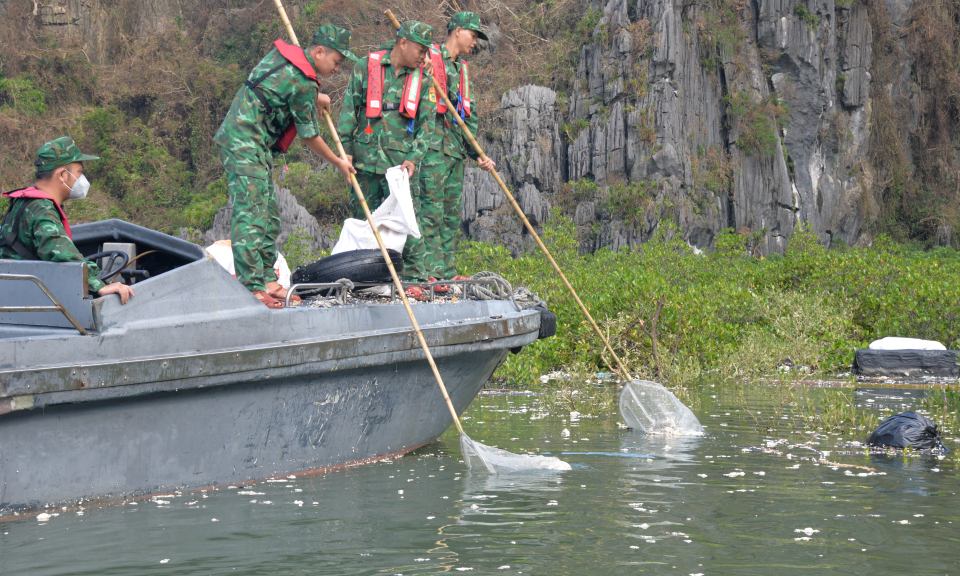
point(672, 314)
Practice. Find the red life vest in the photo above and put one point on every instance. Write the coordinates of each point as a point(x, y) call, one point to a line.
point(294, 55)
point(440, 73)
point(409, 99)
point(36, 193)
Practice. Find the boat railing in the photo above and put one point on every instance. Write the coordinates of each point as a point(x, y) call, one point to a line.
point(429, 287)
point(57, 306)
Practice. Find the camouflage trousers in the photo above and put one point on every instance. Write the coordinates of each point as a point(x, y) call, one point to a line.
point(440, 213)
point(254, 229)
point(375, 189)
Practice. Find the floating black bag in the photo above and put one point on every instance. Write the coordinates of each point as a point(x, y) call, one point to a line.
point(907, 429)
point(355, 265)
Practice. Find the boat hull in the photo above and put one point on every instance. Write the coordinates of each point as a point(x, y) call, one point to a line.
point(219, 435)
point(194, 383)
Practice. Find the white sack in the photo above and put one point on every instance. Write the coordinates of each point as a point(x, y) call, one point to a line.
point(897, 343)
point(222, 252)
point(395, 219)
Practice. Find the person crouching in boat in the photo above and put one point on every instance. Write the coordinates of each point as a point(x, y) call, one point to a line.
point(280, 100)
point(35, 226)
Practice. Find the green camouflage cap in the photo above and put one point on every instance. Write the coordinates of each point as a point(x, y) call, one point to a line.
point(59, 152)
point(416, 32)
point(467, 21)
point(336, 38)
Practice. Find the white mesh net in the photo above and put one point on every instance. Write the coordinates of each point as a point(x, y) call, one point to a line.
point(650, 407)
point(497, 461)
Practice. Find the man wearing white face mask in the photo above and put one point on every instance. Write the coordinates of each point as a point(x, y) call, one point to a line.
point(36, 227)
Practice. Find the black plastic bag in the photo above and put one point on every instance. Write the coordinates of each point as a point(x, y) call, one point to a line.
point(908, 429)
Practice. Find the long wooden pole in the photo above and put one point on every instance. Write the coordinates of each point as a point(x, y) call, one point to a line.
point(466, 131)
point(383, 248)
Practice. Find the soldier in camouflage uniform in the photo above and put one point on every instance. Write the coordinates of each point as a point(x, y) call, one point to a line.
point(35, 226)
point(280, 99)
point(441, 176)
point(374, 144)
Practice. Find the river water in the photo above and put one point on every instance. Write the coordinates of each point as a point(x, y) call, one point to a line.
point(738, 501)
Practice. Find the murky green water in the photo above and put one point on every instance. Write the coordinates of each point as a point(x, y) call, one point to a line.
point(632, 504)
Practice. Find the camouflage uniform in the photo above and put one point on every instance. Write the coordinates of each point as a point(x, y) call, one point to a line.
point(247, 140)
point(441, 179)
point(380, 143)
point(41, 230)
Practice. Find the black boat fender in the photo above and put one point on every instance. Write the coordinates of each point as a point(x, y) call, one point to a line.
point(548, 323)
point(548, 326)
point(355, 265)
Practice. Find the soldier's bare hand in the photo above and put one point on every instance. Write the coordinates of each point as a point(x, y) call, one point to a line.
point(123, 290)
point(323, 104)
point(409, 167)
point(486, 165)
point(346, 168)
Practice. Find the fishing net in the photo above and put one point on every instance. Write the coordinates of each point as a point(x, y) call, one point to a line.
point(650, 407)
point(497, 461)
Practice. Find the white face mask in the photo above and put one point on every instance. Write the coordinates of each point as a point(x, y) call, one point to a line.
point(80, 187)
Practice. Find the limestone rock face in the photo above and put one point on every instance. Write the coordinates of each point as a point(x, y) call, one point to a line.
point(100, 27)
point(525, 142)
point(671, 120)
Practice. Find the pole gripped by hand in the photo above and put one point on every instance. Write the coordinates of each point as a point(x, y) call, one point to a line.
point(383, 248)
point(466, 131)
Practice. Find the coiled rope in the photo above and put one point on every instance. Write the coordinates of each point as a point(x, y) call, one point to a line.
point(501, 289)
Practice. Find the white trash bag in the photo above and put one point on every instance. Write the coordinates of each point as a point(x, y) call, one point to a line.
point(498, 461)
point(651, 408)
point(222, 252)
point(396, 219)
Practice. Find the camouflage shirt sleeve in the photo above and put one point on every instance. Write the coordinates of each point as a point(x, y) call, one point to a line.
point(472, 121)
point(46, 234)
point(425, 127)
point(303, 111)
point(352, 98)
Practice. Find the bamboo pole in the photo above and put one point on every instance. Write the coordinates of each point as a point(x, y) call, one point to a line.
point(383, 248)
point(466, 131)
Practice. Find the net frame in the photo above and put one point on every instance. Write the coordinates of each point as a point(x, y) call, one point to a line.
point(651, 408)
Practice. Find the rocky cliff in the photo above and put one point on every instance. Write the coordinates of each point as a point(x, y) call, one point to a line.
point(751, 115)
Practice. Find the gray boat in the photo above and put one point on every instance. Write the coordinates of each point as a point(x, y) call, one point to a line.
point(195, 383)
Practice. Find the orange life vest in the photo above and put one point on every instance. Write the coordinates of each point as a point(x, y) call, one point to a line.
point(409, 99)
point(294, 55)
